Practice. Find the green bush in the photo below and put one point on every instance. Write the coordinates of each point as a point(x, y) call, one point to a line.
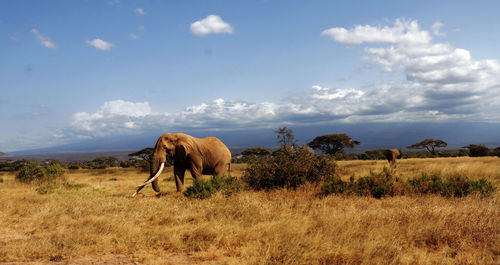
point(496, 152)
point(203, 189)
point(143, 165)
point(73, 166)
point(125, 164)
point(375, 185)
point(31, 171)
point(12, 166)
point(290, 168)
point(384, 184)
point(454, 187)
point(101, 163)
point(34, 172)
point(477, 150)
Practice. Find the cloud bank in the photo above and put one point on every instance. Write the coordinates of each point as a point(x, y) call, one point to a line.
point(440, 83)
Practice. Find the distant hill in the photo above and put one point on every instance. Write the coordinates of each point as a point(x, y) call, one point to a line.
point(4, 155)
point(371, 135)
point(73, 156)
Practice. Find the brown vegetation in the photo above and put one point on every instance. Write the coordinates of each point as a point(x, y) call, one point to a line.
point(93, 219)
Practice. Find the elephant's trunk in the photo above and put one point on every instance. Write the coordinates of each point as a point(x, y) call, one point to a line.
point(157, 162)
point(150, 180)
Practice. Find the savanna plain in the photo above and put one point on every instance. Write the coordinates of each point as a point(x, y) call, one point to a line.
point(92, 220)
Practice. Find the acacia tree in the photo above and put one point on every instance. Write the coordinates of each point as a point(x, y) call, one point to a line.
point(286, 139)
point(145, 154)
point(256, 151)
point(429, 144)
point(332, 144)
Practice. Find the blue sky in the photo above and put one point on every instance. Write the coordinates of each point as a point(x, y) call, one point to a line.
point(79, 70)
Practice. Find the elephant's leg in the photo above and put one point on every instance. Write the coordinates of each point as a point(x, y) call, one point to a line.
point(196, 171)
point(196, 167)
point(179, 178)
point(221, 169)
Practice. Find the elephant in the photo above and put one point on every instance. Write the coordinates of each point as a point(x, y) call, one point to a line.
point(392, 155)
point(200, 156)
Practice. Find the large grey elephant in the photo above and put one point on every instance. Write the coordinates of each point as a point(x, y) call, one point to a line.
point(200, 156)
point(392, 155)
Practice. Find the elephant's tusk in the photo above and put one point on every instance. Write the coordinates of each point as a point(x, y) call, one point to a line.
point(155, 177)
point(150, 180)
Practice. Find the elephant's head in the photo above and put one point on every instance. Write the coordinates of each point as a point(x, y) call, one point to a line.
point(170, 146)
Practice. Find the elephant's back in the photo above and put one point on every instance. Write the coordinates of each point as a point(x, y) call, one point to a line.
point(216, 147)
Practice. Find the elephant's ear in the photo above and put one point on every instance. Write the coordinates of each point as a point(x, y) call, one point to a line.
point(183, 148)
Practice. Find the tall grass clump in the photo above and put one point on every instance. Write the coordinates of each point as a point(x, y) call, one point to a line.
point(32, 172)
point(203, 189)
point(384, 184)
point(289, 168)
point(376, 185)
point(454, 187)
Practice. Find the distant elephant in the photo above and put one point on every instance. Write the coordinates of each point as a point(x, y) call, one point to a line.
point(200, 156)
point(392, 155)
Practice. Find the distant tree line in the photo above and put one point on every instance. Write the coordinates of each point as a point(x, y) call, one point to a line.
point(139, 159)
point(334, 145)
point(331, 145)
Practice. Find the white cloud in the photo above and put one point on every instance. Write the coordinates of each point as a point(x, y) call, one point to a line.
point(133, 36)
point(140, 27)
point(100, 44)
point(139, 11)
point(401, 32)
point(113, 116)
point(436, 29)
point(44, 40)
point(442, 83)
point(212, 24)
point(392, 102)
point(439, 77)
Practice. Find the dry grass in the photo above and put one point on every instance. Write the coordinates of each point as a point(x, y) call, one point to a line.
point(98, 223)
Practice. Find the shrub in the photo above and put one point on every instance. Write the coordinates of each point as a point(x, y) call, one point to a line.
point(73, 166)
point(143, 165)
point(496, 152)
point(124, 164)
point(375, 185)
point(32, 171)
point(290, 168)
point(12, 166)
point(384, 184)
point(101, 163)
point(203, 189)
point(1, 180)
point(477, 150)
point(453, 187)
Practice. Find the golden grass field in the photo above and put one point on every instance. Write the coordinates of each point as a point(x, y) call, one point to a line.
point(98, 222)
